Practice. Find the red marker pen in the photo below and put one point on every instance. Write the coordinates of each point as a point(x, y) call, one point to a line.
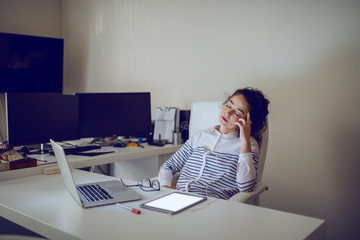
point(134, 210)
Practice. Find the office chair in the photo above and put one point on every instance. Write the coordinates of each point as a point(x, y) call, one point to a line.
point(204, 115)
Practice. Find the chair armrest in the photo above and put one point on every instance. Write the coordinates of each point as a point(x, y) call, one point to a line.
point(244, 197)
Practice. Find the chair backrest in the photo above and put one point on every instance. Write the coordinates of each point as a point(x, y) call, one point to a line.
point(263, 145)
point(205, 114)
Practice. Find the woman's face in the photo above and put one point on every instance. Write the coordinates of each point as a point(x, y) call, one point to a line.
point(234, 109)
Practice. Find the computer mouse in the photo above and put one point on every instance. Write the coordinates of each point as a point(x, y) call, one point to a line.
point(119, 144)
point(132, 144)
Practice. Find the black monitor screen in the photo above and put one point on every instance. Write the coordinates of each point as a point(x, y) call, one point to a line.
point(34, 118)
point(114, 114)
point(31, 64)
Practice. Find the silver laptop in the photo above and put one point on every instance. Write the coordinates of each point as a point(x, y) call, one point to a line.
point(92, 194)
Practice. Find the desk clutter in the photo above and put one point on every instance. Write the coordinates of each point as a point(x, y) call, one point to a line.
point(118, 142)
point(13, 159)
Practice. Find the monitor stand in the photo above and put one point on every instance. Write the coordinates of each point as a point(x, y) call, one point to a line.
point(41, 151)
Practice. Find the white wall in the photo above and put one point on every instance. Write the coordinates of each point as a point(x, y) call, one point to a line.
point(305, 55)
point(35, 17)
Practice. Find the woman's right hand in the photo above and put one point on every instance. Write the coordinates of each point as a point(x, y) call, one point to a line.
point(245, 131)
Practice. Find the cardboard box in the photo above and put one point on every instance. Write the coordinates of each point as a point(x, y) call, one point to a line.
point(24, 163)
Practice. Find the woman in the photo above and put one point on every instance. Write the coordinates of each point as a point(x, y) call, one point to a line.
point(222, 161)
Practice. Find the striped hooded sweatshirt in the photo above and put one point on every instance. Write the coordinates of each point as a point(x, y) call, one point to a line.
point(210, 164)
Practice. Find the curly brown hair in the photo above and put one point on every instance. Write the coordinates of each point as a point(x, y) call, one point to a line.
point(258, 105)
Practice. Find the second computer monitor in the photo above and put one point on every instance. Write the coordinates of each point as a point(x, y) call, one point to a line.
point(115, 114)
point(34, 118)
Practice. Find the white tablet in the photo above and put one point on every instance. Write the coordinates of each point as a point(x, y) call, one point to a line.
point(173, 203)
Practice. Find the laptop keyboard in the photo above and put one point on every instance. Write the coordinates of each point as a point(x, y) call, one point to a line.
point(94, 193)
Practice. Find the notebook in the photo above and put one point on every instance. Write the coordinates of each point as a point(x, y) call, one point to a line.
point(95, 193)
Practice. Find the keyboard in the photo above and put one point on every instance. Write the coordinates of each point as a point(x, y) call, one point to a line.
point(157, 143)
point(91, 154)
point(94, 193)
point(78, 149)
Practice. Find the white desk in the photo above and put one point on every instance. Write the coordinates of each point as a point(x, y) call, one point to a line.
point(120, 154)
point(42, 204)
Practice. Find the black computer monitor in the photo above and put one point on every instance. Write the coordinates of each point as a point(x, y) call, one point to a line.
point(31, 63)
point(115, 114)
point(34, 118)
